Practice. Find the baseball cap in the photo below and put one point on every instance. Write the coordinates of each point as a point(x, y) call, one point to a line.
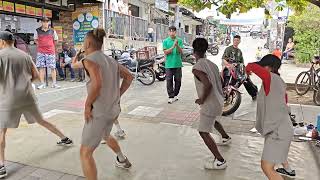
point(270, 60)
point(45, 19)
point(5, 35)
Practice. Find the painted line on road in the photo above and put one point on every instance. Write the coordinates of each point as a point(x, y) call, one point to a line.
point(54, 112)
point(63, 89)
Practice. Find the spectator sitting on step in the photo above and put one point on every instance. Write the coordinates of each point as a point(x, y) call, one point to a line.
point(64, 62)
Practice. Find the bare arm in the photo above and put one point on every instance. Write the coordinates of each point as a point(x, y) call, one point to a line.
point(206, 83)
point(96, 82)
point(76, 63)
point(168, 51)
point(34, 72)
point(127, 79)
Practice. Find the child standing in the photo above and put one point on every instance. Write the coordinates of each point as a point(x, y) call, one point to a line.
point(209, 89)
point(273, 120)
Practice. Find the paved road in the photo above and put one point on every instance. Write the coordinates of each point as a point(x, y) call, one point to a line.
point(161, 141)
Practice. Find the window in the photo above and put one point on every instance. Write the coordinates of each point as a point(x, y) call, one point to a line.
point(134, 10)
point(186, 29)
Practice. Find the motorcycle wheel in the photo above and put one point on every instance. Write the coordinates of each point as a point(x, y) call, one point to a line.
point(231, 103)
point(161, 75)
point(146, 76)
point(214, 51)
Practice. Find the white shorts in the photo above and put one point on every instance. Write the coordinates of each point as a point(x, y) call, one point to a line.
point(206, 123)
point(11, 118)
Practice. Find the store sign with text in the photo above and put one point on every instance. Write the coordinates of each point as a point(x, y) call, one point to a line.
point(84, 19)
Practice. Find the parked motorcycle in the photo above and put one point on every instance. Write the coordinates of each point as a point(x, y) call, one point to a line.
point(213, 49)
point(140, 69)
point(187, 55)
point(232, 95)
point(159, 67)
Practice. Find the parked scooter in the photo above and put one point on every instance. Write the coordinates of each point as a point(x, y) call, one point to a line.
point(213, 49)
point(141, 70)
point(159, 67)
point(187, 55)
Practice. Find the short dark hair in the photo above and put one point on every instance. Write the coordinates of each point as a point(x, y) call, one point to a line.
point(172, 28)
point(237, 36)
point(200, 46)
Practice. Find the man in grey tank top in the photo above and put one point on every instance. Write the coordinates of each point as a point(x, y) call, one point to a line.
point(102, 106)
point(17, 97)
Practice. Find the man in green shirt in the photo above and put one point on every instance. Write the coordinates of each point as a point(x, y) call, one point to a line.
point(233, 54)
point(172, 47)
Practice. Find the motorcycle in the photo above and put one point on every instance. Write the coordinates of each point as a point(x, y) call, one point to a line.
point(141, 70)
point(159, 67)
point(232, 95)
point(187, 55)
point(213, 49)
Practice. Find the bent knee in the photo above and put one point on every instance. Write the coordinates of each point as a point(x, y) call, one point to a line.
point(86, 151)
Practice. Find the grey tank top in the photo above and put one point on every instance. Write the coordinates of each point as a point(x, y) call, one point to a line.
point(15, 79)
point(108, 102)
point(214, 103)
point(272, 110)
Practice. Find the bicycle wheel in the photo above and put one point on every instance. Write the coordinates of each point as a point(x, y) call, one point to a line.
point(303, 83)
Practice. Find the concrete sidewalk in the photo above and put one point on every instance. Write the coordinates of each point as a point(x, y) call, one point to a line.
point(158, 151)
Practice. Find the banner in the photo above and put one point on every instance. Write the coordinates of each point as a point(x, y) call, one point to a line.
point(20, 8)
point(48, 13)
point(1, 7)
point(8, 6)
point(30, 10)
point(84, 19)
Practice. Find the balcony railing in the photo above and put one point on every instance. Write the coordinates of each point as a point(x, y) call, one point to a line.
point(121, 26)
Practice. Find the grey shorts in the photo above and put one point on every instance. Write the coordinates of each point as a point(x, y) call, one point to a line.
point(11, 118)
point(206, 123)
point(98, 128)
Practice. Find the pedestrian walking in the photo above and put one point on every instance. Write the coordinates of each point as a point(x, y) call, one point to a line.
point(17, 71)
point(46, 38)
point(209, 90)
point(273, 120)
point(102, 106)
point(172, 47)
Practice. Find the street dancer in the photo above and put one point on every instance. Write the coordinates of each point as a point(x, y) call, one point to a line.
point(209, 89)
point(17, 71)
point(273, 120)
point(102, 106)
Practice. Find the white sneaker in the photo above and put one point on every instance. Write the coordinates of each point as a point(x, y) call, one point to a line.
point(225, 142)
point(170, 101)
point(124, 165)
point(120, 134)
point(175, 98)
point(55, 85)
point(42, 86)
point(215, 165)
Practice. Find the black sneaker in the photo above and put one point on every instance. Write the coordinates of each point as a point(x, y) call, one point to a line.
point(284, 172)
point(3, 172)
point(65, 142)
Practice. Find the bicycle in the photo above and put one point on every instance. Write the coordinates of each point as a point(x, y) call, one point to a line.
point(310, 79)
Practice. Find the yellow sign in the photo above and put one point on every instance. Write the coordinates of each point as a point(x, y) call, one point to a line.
point(59, 31)
point(20, 8)
point(48, 13)
point(38, 12)
point(30, 10)
point(8, 6)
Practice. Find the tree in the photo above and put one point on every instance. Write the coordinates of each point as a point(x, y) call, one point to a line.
point(307, 33)
point(227, 7)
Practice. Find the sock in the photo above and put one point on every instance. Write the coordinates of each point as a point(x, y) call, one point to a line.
point(288, 169)
point(121, 157)
point(118, 127)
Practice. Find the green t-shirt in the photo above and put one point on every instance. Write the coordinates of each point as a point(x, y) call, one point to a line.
point(173, 60)
point(233, 53)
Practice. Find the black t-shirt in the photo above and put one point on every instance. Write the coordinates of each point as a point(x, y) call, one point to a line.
point(65, 54)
